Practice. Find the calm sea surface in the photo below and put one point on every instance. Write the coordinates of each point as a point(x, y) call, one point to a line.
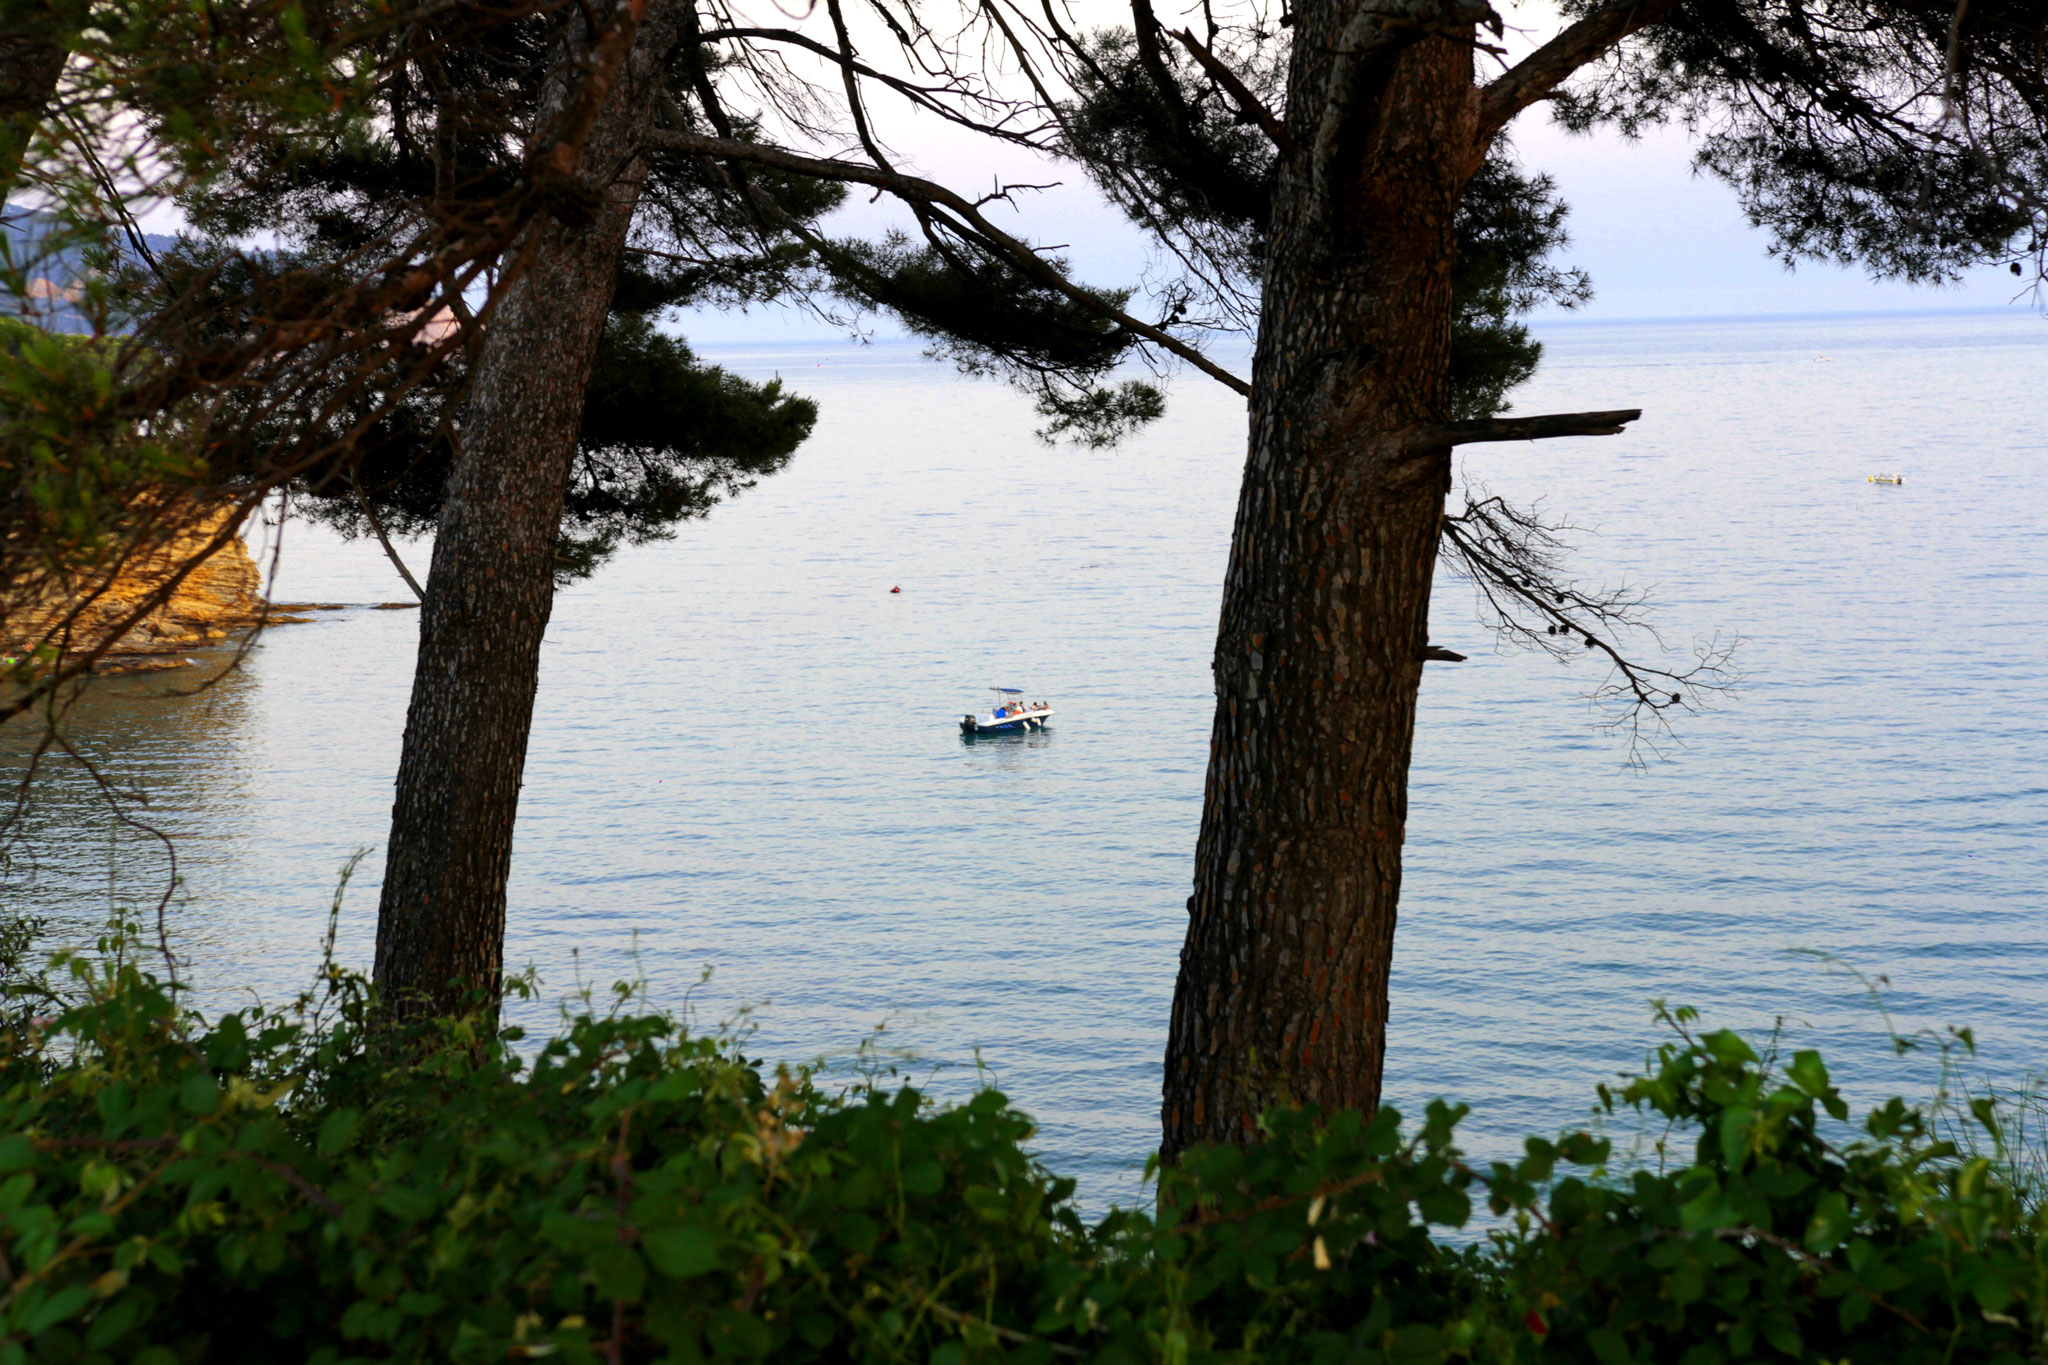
point(746, 759)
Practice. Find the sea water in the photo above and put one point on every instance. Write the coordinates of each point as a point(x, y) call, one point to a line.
point(746, 759)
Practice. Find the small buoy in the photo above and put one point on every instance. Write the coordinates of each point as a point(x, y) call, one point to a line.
point(895, 590)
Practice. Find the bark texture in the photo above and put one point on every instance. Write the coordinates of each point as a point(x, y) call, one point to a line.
point(1283, 980)
point(31, 60)
point(491, 586)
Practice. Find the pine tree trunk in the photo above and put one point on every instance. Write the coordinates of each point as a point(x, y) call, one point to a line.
point(491, 587)
point(31, 61)
point(1283, 980)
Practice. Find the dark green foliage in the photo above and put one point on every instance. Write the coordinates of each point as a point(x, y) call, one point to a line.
point(1178, 161)
point(1100, 416)
point(1509, 225)
point(278, 1187)
point(665, 439)
point(1790, 1236)
point(963, 298)
point(988, 318)
point(300, 1184)
point(1849, 132)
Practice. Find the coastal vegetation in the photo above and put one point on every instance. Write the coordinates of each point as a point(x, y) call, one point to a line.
point(430, 251)
point(304, 1183)
point(489, 197)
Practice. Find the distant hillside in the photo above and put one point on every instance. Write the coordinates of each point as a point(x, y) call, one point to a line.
point(55, 275)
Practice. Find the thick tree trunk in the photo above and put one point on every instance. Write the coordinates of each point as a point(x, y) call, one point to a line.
point(491, 586)
point(1283, 980)
point(31, 60)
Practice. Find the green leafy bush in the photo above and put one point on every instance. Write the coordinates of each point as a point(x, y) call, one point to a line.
point(1790, 1236)
point(308, 1183)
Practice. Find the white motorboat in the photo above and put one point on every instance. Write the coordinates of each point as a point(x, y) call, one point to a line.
point(1007, 714)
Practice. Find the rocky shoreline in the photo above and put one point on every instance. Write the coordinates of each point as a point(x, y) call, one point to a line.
point(219, 599)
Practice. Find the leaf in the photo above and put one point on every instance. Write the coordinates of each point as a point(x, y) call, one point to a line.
point(739, 1333)
point(619, 1274)
point(339, 1131)
point(1735, 1125)
point(1688, 1282)
point(15, 1189)
point(1829, 1224)
point(987, 1204)
point(1991, 1290)
point(1809, 1073)
point(857, 1232)
point(1444, 1206)
point(681, 1253)
point(115, 1321)
point(1609, 1346)
point(410, 1203)
point(55, 1309)
point(1781, 1329)
point(1727, 1046)
point(200, 1094)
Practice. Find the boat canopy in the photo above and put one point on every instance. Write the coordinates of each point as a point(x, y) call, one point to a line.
point(1009, 691)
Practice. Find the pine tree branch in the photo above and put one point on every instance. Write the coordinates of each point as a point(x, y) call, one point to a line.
point(1248, 104)
point(918, 191)
point(1521, 429)
point(390, 552)
point(1539, 74)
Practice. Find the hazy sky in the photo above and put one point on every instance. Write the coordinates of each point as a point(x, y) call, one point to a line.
point(1658, 240)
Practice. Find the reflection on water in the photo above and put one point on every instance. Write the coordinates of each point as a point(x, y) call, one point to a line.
point(1008, 740)
point(150, 769)
point(1877, 791)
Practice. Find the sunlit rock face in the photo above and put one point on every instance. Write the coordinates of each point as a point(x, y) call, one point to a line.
point(222, 594)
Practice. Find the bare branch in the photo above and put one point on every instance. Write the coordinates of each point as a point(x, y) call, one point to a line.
point(1516, 563)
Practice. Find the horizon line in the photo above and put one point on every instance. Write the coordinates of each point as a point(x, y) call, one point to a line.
point(1548, 320)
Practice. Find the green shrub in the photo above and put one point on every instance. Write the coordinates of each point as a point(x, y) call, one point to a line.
point(1790, 1236)
point(308, 1184)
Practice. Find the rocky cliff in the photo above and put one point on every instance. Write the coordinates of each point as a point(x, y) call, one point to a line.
point(223, 594)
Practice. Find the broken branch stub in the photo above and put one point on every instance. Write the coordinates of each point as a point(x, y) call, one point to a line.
point(1425, 439)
